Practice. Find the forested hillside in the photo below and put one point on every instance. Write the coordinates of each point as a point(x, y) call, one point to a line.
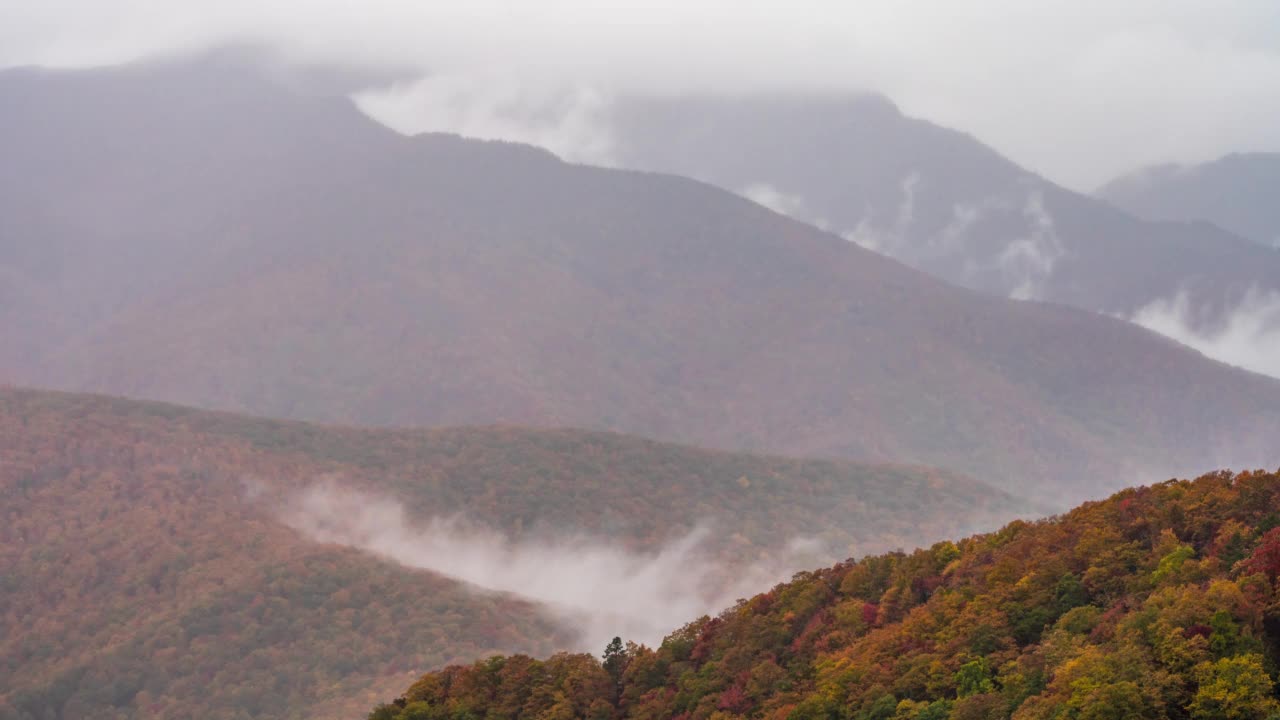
point(1159, 602)
point(135, 581)
point(145, 571)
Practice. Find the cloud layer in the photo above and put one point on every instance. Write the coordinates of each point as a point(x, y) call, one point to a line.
point(1078, 91)
point(593, 585)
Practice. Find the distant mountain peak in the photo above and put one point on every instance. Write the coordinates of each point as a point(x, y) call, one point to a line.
point(1236, 191)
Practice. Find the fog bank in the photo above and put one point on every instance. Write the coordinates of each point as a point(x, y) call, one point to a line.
point(591, 584)
point(1248, 337)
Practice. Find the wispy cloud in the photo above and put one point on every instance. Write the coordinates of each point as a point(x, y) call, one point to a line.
point(774, 199)
point(1247, 335)
point(1021, 264)
point(1028, 261)
point(569, 122)
point(890, 240)
point(591, 583)
point(1012, 73)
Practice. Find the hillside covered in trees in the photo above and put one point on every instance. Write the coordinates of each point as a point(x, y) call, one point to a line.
point(1159, 602)
point(145, 571)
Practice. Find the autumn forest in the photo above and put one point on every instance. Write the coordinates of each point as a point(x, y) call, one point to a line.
point(711, 360)
point(1159, 602)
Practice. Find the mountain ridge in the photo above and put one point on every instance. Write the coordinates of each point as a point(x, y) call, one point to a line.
point(938, 199)
point(193, 246)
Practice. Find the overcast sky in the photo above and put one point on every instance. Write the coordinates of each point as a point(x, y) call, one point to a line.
point(1076, 90)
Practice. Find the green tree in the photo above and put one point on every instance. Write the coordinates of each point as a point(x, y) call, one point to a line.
point(1115, 701)
point(1225, 638)
point(973, 678)
point(615, 664)
point(1235, 688)
point(1069, 593)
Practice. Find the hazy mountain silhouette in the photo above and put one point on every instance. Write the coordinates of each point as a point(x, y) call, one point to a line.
point(1237, 192)
point(201, 234)
point(940, 201)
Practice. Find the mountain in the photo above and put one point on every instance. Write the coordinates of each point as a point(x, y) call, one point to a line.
point(1235, 192)
point(940, 201)
point(196, 232)
point(155, 561)
point(1160, 602)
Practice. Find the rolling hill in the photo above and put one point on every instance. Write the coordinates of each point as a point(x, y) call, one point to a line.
point(198, 232)
point(151, 564)
point(1160, 602)
point(1236, 192)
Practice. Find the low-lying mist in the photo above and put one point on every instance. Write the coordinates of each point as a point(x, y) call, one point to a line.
point(1248, 336)
point(594, 585)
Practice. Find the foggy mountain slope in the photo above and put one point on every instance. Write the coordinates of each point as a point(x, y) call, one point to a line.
point(150, 568)
point(1237, 192)
point(224, 242)
point(938, 200)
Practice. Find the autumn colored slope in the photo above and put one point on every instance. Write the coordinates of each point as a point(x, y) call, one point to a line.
point(136, 582)
point(1159, 602)
point(139, 578)
point(199, 233)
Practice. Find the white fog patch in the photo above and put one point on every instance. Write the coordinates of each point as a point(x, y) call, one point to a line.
point(888, 240)
point(963, 216)
point(1022, 265)
point(1248, 336)
point(773, 198)
point(569, 122)
point(866, 235)
point(783, 203)
point(1028, 261)
point(907, 208)
point(591, 584)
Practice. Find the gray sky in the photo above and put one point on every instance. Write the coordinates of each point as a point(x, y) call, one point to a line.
point(1075, 89)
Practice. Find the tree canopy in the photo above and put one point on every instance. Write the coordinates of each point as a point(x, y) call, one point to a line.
point(1159, 602)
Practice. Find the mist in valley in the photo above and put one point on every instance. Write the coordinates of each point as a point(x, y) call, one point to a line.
point(593, 585)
